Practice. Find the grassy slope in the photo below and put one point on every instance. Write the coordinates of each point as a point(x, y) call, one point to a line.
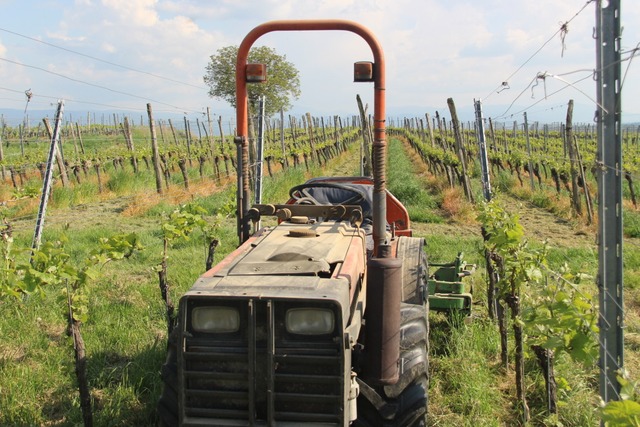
point(125, 335)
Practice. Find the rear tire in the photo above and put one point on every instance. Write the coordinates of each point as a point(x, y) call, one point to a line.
point(403, 404)
point(414, 269)
point(168, 402)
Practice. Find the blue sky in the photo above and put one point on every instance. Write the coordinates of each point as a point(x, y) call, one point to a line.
point(462, 49)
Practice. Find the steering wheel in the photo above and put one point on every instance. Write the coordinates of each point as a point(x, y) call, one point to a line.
point(301, 194)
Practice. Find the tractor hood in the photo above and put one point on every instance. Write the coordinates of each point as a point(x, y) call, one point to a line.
point(298, 249)
point(290, 259)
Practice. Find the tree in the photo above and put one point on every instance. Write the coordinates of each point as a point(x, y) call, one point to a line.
point(283, 81)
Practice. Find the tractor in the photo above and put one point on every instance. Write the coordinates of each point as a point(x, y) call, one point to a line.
point(320, 319)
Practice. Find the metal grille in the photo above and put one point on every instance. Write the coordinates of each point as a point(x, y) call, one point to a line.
point(263, 376)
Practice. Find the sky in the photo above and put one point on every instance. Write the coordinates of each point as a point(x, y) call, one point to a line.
point(110, 55)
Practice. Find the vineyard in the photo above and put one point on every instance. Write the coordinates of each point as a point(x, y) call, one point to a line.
point(119, 249)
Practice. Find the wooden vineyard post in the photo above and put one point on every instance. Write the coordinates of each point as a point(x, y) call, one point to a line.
point(466, 184)
point(80, 138)
point(126, 130)
point(199, 131)
point(221, 136)
point(285, 161)
point(444, 126)
point(73, 137)
point(209, 123)
point(367, 137)
point(224, 155)
point(587, 195)
point(160, 126)
point(312, 142)
point(526, 132)
point(324, 140)
point(493, 135)
point(423, 135)
point(21, 132)
point(154, 150)
point(429, 129)
point(209, 134)
point(575, 191)
point(187, 131)
point(173, 132)
point(292, 126)
point(437, 120)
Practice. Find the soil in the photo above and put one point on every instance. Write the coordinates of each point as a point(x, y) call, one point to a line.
point(541, 225)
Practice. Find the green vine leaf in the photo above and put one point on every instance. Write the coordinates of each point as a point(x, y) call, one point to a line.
point(621, 413)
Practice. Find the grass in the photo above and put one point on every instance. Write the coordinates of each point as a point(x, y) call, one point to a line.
point(409, 188)
point(631, 222)
point(125, 334)
point(463, 389)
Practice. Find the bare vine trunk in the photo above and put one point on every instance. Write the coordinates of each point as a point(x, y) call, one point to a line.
point(493, 279)
point(504, 342)
point(514, 304)
point(632, 191)
point(81, 371)
point(213, 244)
point(164, 290)
point(183, 169)
point(81, 374)
point(545, 360)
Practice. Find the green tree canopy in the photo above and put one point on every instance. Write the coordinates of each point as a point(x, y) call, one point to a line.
point(283, 81)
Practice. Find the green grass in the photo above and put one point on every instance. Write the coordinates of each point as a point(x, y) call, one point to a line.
point(406, 184)
point(126, 334)
point(123, 182)
point(463, 389)
point(631, 223)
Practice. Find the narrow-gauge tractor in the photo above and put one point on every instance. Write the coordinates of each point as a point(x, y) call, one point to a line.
point(320, 320)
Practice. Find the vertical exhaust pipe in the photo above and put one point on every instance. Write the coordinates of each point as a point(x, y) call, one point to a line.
point(382, 320)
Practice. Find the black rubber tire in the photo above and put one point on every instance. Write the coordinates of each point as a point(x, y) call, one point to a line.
point(414, 269)
point(168, 402)
point(403, 404)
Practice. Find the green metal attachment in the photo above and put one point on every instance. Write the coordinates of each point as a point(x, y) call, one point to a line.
point(447, 292)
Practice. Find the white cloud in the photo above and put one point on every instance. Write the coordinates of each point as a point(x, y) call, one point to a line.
point(108, 47)
point(183, 26)
point(196, 10)
point(520, 39)
point(134, 12)
point(64, 37)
